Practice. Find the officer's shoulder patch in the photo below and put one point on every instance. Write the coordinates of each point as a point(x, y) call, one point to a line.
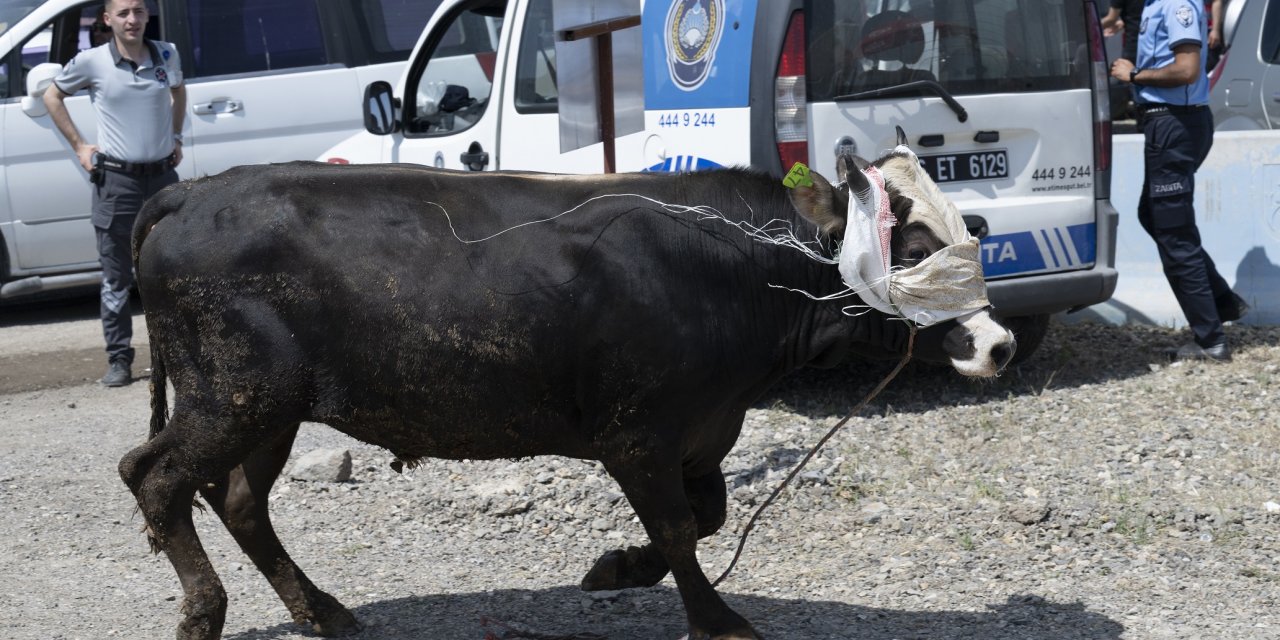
point(1185, 15)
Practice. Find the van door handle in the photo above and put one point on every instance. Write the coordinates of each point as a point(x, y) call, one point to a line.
point(475, 158)
point(216, 106)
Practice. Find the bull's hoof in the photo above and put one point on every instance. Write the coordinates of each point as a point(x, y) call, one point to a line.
point(202, 621)
point(328, 617)
point(617, 569)
point(336, 623)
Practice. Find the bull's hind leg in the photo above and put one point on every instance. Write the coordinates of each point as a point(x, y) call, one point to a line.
point(241, 502)
point(654, 486)
point(644, 566)
point(162, 483)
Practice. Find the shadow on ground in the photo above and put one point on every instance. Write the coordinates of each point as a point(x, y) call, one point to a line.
point(1072, 355)
point(565, 613)
point(61, 306)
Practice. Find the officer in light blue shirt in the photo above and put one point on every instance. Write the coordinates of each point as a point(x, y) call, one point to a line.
point(1172, 95)
point(136, 88)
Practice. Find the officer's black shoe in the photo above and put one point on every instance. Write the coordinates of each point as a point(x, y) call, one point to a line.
point(1193, 351)
point(1232, 309)
point(118, 374)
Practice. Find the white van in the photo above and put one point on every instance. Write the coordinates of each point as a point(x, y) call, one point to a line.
point(266, 81)
point(1246, 85)
point(1006, 102)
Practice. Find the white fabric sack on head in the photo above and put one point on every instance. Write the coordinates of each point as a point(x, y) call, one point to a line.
point(946, 285)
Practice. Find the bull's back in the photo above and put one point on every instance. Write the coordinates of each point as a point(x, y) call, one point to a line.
point(380, 295)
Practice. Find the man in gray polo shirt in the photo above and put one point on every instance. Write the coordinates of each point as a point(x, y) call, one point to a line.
point(135, 85)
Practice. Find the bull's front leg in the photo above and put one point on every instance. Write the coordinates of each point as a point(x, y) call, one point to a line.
point(653, 484)
point(645, 566)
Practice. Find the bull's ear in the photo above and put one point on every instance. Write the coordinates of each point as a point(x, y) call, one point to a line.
point(822, 204)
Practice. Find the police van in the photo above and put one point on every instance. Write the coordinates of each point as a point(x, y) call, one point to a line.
point(1006, 102)
point(266, 81)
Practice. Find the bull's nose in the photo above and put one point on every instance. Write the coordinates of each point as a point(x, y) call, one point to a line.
point(1003, 353)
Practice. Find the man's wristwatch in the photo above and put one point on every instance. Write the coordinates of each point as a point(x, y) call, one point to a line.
point(1133, 76)
point(177, 137)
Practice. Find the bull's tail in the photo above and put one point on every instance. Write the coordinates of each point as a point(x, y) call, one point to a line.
point(169, 199)
point(159, 395)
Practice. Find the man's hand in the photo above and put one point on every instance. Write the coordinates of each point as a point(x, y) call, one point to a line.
point(85, 153)
point(1111, 23)
point(1120, 69)
point(177, 154)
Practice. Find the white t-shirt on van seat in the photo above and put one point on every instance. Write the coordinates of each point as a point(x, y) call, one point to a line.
point(135, 111)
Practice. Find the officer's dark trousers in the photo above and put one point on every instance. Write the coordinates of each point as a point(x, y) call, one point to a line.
point(1176, 144)
point(115, 206)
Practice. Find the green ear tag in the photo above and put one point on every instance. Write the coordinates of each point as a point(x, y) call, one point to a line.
point(798, 176)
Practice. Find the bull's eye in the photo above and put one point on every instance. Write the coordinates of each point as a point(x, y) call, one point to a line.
point(914, 244)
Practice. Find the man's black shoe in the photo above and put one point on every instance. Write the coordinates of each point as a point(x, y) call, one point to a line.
point(1233, 309)
point(118, 374)
point(1193, 351)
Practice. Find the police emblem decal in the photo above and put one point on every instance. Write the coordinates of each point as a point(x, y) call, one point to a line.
point(1184, 15)
point(162, 77)
point(692, 35)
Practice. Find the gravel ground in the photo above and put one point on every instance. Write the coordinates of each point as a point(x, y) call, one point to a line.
point(1095, 492)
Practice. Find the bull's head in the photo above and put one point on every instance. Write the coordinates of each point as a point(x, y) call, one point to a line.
point(905, 251)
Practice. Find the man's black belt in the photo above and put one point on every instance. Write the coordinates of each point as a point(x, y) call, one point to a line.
point(136, 168)
point(1156, 108)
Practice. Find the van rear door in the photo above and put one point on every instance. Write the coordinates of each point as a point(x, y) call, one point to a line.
point(995, 97)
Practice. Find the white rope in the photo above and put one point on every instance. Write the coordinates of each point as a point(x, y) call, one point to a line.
point(777, 232)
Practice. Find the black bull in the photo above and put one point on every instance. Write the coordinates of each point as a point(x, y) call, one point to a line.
point(622, 332)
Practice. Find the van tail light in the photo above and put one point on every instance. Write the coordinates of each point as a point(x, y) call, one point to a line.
point(487, 60)
point(1101, 104)
point(1215, 74)
point(789, 118)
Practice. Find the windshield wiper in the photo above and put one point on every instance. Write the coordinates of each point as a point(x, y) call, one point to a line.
point(908, 88)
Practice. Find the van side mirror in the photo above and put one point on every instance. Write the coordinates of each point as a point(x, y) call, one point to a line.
point(380, 109)
point(38, 80)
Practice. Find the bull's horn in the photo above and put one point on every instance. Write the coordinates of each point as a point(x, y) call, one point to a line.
point(848, 169)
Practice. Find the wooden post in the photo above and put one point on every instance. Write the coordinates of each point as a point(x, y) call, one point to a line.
point(602, 33)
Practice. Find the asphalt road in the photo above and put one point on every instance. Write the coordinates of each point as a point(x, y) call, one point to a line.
point(57, 343)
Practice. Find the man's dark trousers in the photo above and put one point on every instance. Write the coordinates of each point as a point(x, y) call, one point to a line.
point(1176, 143)
point(116, 203)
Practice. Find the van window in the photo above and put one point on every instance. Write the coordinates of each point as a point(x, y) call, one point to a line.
point(392, 27)
point(1271, 34)
point(247, 36)
point(452, 92)
point(536, 66)
point(71, 32)
point(967, 46)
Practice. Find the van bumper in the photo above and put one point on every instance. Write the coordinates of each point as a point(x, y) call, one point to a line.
point(33, 285)
point(1052, 293)
point(1066, 291)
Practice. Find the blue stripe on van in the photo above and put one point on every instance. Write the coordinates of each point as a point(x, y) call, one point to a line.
point(677, 164)
point(1052, 249)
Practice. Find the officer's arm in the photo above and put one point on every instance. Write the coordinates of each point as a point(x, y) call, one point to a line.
point(1184, 69)
point(54, 101)
point(179, 107)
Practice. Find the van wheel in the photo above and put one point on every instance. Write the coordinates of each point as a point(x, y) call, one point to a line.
point(1029, 332)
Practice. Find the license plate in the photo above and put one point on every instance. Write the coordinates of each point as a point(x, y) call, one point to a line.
point(964, 167)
